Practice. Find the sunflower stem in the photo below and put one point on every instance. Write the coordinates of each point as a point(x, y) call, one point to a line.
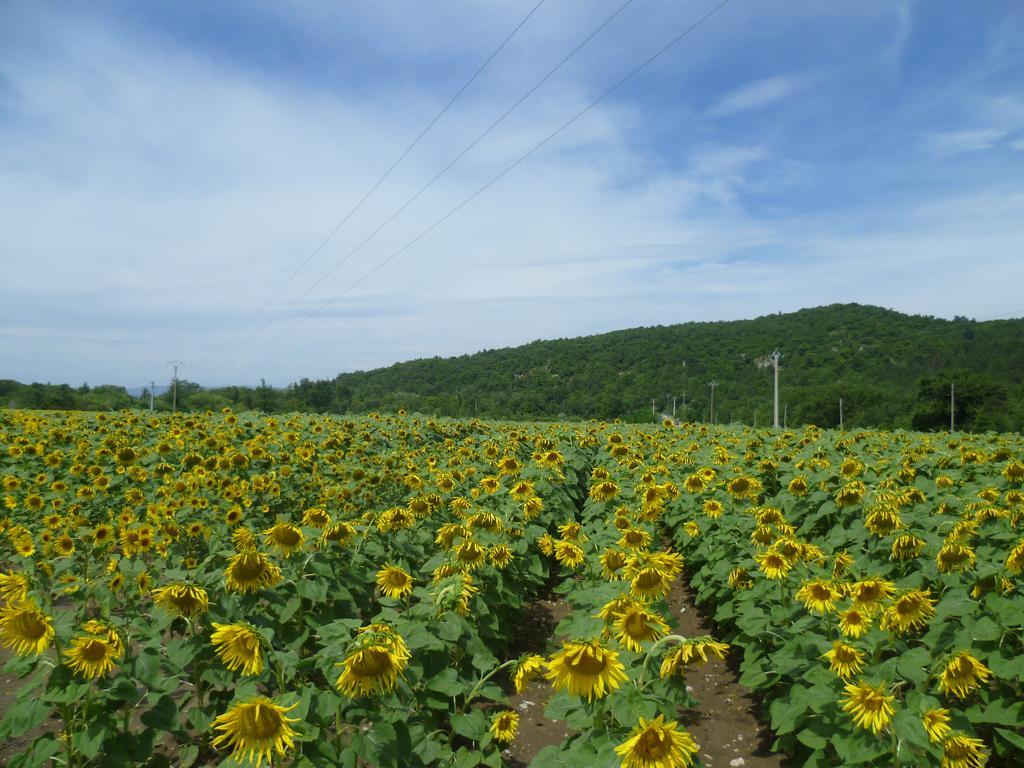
point(484, 679)
point(642, 682)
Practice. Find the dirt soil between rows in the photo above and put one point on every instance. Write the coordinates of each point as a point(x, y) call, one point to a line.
point(725, 724)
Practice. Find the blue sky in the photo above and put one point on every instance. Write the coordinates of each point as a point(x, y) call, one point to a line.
point(165, 167)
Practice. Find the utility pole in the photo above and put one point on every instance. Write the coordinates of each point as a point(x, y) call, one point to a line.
point(174, 384)
point(775, 364)
point(152, 386)
point(840, 414)
point(952, 404)
point(711, 409)
point(653, 411)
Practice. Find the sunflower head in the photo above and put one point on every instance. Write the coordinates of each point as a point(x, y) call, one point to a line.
point(394, 581)
point(586, 668)
point(182, 600)
point(962, 675)
point(25, 629)
point(250, 571)
point(254, 730)
point(92, 655)
point(527, 668)
point(238, 646)
point(504, 726)
point(657, 744)
point(373, 661)
point(845, 660)
point(284, 538)
point(870, 706)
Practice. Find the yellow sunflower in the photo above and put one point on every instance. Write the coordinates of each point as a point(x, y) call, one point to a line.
point(569, 553)
point(91, 656)
point(962, 675)
point(182, 599)
point(936, 723)
point(657, 744)
point(612, 562)
point(13, 587)
point(250, 571)
point(854, 622)
point(818, 595)
point(845, 660)
point(636, 625)
point(1015, 560)
point(962, 751)
point(504, 726)
point(694, 650)
point(527, 668)
point(911, 610)
point(869, 594)
point(373, 661)
point(238, 645)
point(394, 582)
point(471, 554)
point(255, 730)
point(906, 547)
point(869, 705)
point(773, 564)
point(25, 629)
point(284, 538)
point(586, 668)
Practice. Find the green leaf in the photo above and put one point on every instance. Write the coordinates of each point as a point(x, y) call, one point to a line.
point(187, 755)
point(473, 725)
point(447, 683)
point(89, 741)
point(23, 716)
point(465, 758)
point(787, 713)
point(1014, 738)
point(811, 738)
point(909, 728)
point(913, 665)
point(984, 629)
point(162, 715)
point(627, 704)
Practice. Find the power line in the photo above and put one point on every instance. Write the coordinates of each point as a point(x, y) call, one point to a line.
point(443, 171)
point(633, 73)
point(387, 173)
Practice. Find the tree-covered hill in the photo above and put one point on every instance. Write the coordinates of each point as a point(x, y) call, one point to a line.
point(889, 369)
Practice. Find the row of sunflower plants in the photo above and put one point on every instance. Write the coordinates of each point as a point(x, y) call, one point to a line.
point(620, 671)
point(237, 589)
point(872, 582)
point(228, 589)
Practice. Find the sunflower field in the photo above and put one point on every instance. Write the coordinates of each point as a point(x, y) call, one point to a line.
point(235, 589)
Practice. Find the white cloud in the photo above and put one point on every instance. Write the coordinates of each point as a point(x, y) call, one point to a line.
point(960, 142)
point(758, 94)
point(154, 197)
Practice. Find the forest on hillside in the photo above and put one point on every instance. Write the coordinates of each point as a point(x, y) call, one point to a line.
point(889, 369)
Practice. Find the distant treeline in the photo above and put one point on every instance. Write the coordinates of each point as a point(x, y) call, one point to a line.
point(891, 370)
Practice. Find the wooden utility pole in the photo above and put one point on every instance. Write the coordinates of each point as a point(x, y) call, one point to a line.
point(174, 384)
point(775, 364)
point(952, 405)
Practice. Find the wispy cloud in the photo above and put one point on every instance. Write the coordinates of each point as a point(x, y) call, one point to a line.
point(159, 183)
point(960, 142)
point(758, 94)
